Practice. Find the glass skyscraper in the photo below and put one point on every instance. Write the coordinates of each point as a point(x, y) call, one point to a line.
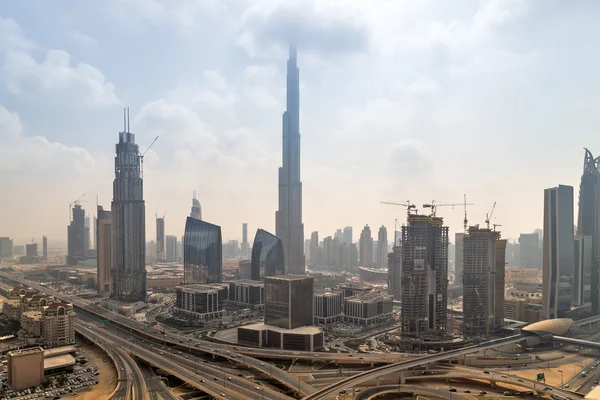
point(267, 255)
point(202, 252)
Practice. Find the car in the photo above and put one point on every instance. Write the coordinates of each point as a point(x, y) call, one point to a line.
point(215, 378)
point(262, 363)
point(482, 392)
point(257, 387)
point(486, 372)
point(358, 390)
point(467, 391)
point(229, 378)
point(504, 376)
point(452, 390)
point(202, 380)
point(519, 380)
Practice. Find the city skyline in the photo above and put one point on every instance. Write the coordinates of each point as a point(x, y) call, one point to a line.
point(223, 114)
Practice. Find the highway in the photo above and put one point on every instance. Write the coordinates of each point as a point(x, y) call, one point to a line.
point(414, 389)
point(157, 388)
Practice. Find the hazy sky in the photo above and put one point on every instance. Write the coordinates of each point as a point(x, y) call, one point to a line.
point(400, 100)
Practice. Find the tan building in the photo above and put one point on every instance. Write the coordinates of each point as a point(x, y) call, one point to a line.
point(163, 282)
point(104, 249)
point(523, 274)
point(58, 325)
point(12, 308)
point(524, 309)
point(31, 324)
point(26, 368)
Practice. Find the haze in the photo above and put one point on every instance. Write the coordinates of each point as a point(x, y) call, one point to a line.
point(400, 100)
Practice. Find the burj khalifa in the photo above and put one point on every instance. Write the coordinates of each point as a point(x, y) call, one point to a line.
point(288, 219)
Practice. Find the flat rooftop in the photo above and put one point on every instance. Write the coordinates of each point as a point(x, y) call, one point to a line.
point(61, 361)
point(59, 350)
point(248, 282)
point(289, 277)
point(198, 287)
point(303, 330)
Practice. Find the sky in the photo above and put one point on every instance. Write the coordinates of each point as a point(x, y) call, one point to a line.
point(400, 101)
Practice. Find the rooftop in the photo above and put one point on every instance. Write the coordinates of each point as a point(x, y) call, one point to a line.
point(557, 327)
point(61, 361)
point(197, 287)
point(303, 330)
point(288, 277)
point(23, 352)
point(368, 297)
point(248, 282)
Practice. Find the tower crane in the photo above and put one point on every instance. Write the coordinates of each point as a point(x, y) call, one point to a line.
point(465, 221)
point(142, 156)
point(434, 206)
point(71, 203)
point(409, 206)
point(488, 217)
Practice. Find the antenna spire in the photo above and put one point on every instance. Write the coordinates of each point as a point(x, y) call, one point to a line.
point(124, 119)
point(128, 126)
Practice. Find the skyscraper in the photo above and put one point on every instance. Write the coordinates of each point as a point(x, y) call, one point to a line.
point(76, 236)
point(530, 255)
point(196, 208)
point(44, 247)
point(289, 226)
point(365, 244)
point(103, 250)
point(395, 272)
point(128, 221)
point(86, 233)
point(171, 248)
point(424, 275)
point(483, 282)
point(267, 256)
point(458, 259)
point(348, 235)
point(94, 233)
point(202, 252)
point(245, 246)
point(558, 256)
point(315, 250)
point(382, 247)
point(160, 239)
point(6, 247)
point(289, 301)
point(582, 274)
point(588, 221)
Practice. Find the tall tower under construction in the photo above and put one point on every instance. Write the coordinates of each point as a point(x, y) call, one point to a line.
point(128, 269)
point(424, 276)
point(483, 282)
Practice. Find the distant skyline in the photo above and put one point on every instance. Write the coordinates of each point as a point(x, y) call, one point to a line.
point(400, 101)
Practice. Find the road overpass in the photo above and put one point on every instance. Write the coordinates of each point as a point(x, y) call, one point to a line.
point(412, 389)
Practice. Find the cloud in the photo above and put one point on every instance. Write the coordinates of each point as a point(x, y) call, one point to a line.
point(410, 160)
point(325, 27)
point(54, 73)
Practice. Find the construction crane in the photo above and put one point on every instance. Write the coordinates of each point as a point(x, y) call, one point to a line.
point(465, 221)
point(434, 206)
point(142, 156)
point(495, 225)
point(488, 216)
point(71, 203)
point(409, 206)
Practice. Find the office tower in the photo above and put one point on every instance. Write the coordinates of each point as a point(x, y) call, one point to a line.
point(582, 274)
point(348, 235)
point(245, 247)
point(395, 272)
point(289, 226)
point(458, 259)
point(180, 250)
point(44, 247)
point(128, 212)
point(588, 221)
point(171, 251)
point(31, 250)
point(558, 253)
point(307, 248)
point(267, 256)
point(86, 233)
point(160, 239)
point(6, 247)
point(424, 275)
point(339, 236)
point(365, 244)
point(314, 246)
point(76, 236)
point(196, 212)
point(104, 249)
point(530, 251)
point(353, 257)
point(482, 294)
point(328, 306)
point(382, 247)
point(289, 301)
point(25, 368)
point(202, 252)
point(94, 233)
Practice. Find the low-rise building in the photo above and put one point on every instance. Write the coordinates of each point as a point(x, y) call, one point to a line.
point(200, 302)
point(247, 293)
point(353, 288)
point(25, 368)
point(306, 338)
point(58, 325)
point(31, 324)
point(328, 305)
point(368, 309)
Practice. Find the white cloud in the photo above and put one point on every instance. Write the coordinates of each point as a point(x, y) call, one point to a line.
point(23, 74)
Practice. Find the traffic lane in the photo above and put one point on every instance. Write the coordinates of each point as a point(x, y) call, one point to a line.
point(414, 389)
point(158, 388)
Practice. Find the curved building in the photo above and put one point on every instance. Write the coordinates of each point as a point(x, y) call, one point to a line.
point(196, 208)
point(202, 252)
point(267, 255)
point(556, 327)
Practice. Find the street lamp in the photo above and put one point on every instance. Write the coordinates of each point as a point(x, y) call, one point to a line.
point(562, 382)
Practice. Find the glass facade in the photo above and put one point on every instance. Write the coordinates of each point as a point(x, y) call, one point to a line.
point(267, 256)
point(289, 301)
point(202, 252)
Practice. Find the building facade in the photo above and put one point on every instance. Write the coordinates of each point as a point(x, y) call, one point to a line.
point(582, 273)
point(368, 309)
point(288, 218)
point(245, 249)
point(289, 301)
point(128, 213)
point(267, 256)
point(328, 306)
point(247, 293)
point(558, 255)
point(365, 244)
point(104, 250)
point(44, 247)
point(382, 247)
point(530, 253)
point(76, 236)
point(6, 247)
point(424, 275)
point(458, 259)
point(171, 248)
point(25, 368)
point(202, 252)
point(58, 325)
point(395, 273)
point(200, 302)
point(160, 239)
point(196, 212)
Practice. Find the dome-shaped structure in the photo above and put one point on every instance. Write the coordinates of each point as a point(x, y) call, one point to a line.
point(555, 327)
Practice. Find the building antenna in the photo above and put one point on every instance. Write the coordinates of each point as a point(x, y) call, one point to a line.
point(124, 120)
point(128, 126)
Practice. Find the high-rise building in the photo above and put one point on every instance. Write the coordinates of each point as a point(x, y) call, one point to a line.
point(6, 247)
point(289, 301)
point(582, 273)
point(365, 244)
point(348, 235)
point(94, 233)
point(483, 295)
point(160, 239)
point(588, 221)
point(339, 236)
point(530, 252)
point(202, 252)
point(44, 247)
point(267, 256)
point(558, 255)
point(25, 368)
point(128, 212)
point(196, 208)
point(31, 250)
point(76, 236)
point(382, 247)
point(180, 250)
point(314, 249)
point(424, 275)
point(458, 259)
point(289, 226)
point(171, 245)
point(104, 250)
point(86, 233)
point(395, 272)
point(245, 244)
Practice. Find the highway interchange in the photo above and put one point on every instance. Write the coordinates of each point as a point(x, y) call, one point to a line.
point(123, 338)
